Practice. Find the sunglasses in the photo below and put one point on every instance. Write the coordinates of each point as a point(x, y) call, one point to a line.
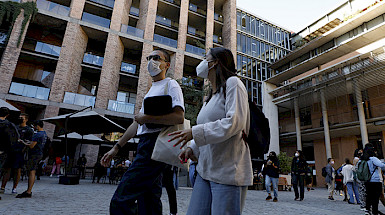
point(155, 57)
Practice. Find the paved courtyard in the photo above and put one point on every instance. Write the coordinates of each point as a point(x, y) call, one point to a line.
point(49, 197)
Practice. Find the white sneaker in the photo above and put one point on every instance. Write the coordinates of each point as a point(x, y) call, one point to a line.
point(51, 176)
point(14, 191)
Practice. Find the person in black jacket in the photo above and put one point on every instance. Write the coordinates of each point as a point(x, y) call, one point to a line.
point(299, 168)
point(271, 172)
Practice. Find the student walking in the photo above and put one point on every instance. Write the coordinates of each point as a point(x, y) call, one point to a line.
point(299, 168)
point(329, 179)
point(271, 172)
point(224, 163)
point(348, 172)
point(142, 181)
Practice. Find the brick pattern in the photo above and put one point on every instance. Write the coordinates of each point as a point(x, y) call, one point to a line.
point(229, 33)
point(77, 7)
point(119, 14)
point(109, 77)
point(176, 67)
point(147, 15)
point(183, 23)
point(145, 80)
point(209, 24)
point(68, 69)
point(11, 54)
point(50, 111)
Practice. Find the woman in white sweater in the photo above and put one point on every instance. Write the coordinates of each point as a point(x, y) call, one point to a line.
point(348, 172)
point(224, 164)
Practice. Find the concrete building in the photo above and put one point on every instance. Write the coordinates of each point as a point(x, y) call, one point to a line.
point(329, 90)
point(79, 53)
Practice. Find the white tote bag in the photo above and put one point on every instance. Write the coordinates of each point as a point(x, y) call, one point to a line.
point(165, 151)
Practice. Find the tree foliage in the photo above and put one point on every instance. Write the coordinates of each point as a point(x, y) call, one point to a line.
point(284, 162)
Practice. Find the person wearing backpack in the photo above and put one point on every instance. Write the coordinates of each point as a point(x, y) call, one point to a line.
point(374, 184)
point(329, 179)
point(348, 172)
point(299, 168)
point(361, 185)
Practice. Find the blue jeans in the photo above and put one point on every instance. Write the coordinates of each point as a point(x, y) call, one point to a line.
point(142, 183)
point(268, 181)
point(353, 187)
point(216, 199)
point(192, 173)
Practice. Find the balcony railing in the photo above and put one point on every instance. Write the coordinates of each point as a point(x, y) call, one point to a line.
point(93, 59)
point(122, 107)
point(165, 41)
point(128, 68)
point(195, 50)
point(132, 31)
point(218, 17)
point(29, 91)
point(3, 37)
point(166, 22)
point(195, 32)
point(134, 11)
point(53, 7)
point(196, 9)
point(79, 99)
point(176, 2)
point(97, 20)
point(47, 49)
point(108, 3)
point(217, 39)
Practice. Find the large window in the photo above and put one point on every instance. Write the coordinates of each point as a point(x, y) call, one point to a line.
point(305, 116)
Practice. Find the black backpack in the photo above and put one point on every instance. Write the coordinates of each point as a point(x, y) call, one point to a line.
point(324, 173)
point(259, 133)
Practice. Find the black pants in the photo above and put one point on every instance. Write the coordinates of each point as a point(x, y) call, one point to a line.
point(142, 183)
point(373, 192)
point(299, 180)
point(167, 182)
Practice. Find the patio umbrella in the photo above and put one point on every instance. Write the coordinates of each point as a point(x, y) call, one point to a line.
point(90, 138)
point(9, 106)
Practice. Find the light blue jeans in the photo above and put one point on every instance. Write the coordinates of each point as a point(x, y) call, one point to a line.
point(216, 199)
point(268, 181)
point(353, 187)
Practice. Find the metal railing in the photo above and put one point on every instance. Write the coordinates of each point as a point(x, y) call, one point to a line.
point(128, 68)
point(29, 91)
point(53, 7)
point(108, 3)
point(47, 49)
point(97, 20)
point(119, 106)
point(195, 50)
point(79, 99)
point(196, 9)
point(131, 31)
point(165, 41)
point(93, 59)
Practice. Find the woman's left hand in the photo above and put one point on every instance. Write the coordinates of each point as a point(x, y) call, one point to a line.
point(184, 135)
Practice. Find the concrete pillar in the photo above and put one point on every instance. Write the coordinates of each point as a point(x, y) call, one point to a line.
point(145, 80)
point(109, 77)
point(297, 124)
point(361, 114)
point(271, 112)
point(77, 8)
point(11, 53)
point(209, 24)
point(68, 68)
point(176, 66)
point(183, 23)
point(120, 14)
point(326, 124)
point(229, 32)
point(147, 16)
point(50, 111)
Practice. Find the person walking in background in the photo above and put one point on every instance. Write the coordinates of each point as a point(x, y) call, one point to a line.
point(348, 172)
point(271, 173)
point(35, 154)
point(56, 166)
point(339, 183)
point(361, 185)
point(224, 163)
point(299, 168)
point(329, 179)
point(82, 161)
point(375, 184)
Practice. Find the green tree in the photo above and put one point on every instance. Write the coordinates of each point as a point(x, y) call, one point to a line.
point(284, 162)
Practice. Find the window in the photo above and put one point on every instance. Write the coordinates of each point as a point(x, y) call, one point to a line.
point(243, 43)
point(243, 21)
point(239, 47)
point(305, 116)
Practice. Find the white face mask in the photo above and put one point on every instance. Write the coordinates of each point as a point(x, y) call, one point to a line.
point(153, 67)
point(332, 162)
point(203, 69)
point(296, 154)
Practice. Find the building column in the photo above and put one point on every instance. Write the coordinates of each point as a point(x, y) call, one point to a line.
point(69, 68)
point(11, 53)
point(145, 80)
point(361, 113)
point(50, 111)
point(209, 24)
point(109, 77)
point(147, 16)
point(183, 23)
point(77, 8)
point(326, 124)
point(176, 66)
point(120, 14)
point(297, 124)
point(271, 112)
point(229, 30)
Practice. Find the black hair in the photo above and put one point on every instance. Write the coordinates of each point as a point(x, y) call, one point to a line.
point(166, 55)
point(274, 154)
point(4, 111)
point(38, 123)
point(347, 161)
point(368, 152)
point(301, 155)
point(25, 115)
point(224, 70)
point(329, 159)
point(356, 154)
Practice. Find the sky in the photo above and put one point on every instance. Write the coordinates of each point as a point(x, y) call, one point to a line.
point(293, 15)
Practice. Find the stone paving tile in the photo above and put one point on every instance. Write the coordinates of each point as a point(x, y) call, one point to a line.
point(49, 197)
